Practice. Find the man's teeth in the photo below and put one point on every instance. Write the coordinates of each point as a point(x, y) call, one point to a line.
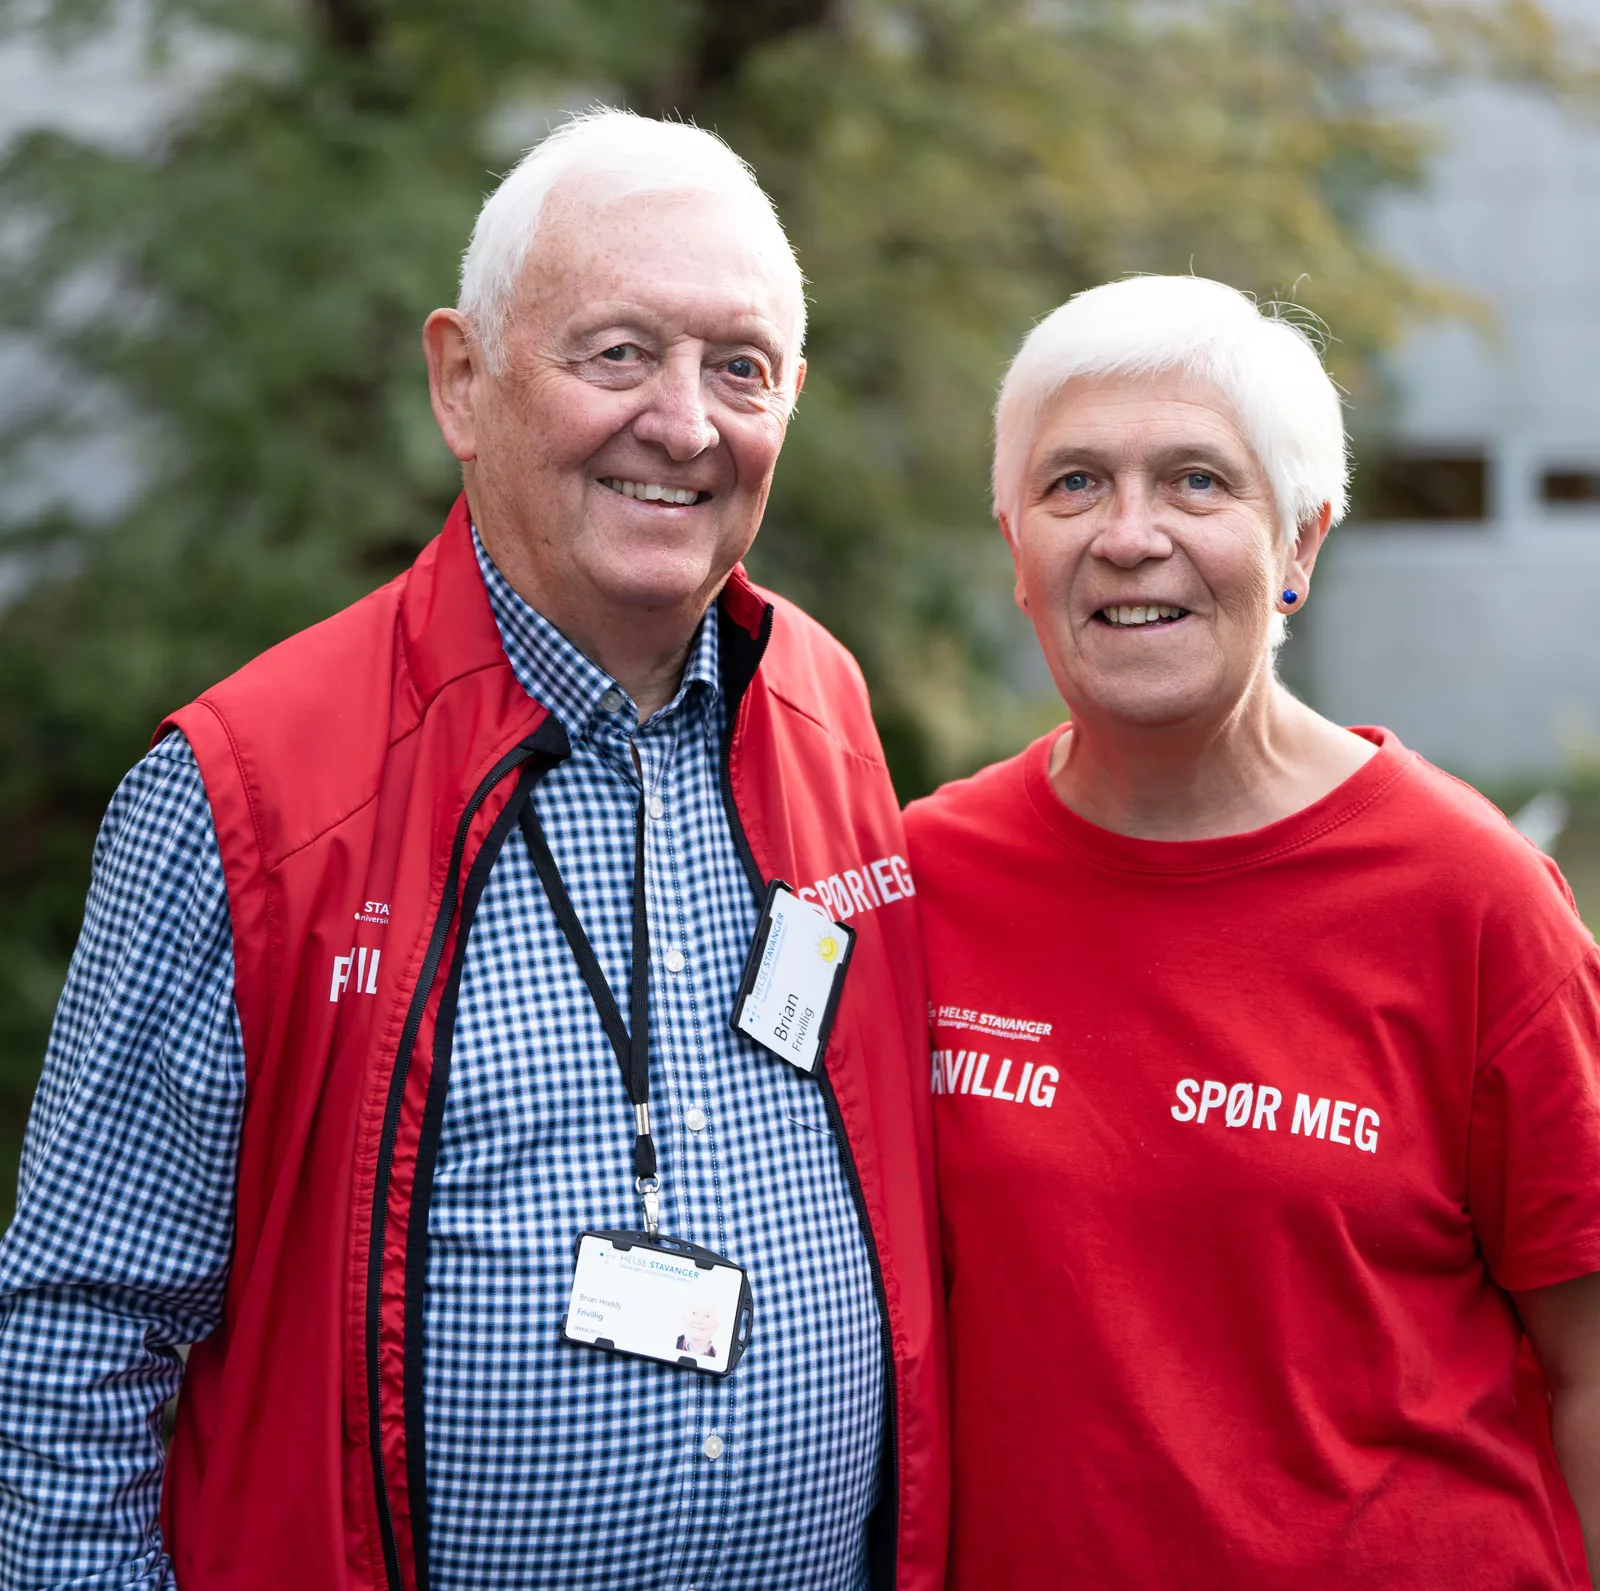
point(1145, 615)
point(647, 492)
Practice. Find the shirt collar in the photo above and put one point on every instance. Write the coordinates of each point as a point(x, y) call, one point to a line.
point(555, 673)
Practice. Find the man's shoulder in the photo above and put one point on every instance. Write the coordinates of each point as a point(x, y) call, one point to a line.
point(812, 673)
point(299, 735)
point(311, 671)
point(799, 641)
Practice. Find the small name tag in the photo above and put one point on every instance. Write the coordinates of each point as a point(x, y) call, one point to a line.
point(792, 978)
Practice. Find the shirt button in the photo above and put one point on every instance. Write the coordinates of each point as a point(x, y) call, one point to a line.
point(656, 806)
point(712, 1447)
point(611, 701)
point(694, 1119)
point(674, 960)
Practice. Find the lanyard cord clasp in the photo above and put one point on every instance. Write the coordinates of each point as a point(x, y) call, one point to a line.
point(646, 1181)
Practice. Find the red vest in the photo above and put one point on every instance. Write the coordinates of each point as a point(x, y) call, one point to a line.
point(362, 776)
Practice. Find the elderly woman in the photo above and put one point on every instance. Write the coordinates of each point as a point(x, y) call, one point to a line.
point(1267, 1107)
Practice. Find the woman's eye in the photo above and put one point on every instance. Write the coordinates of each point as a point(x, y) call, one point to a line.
point(1199, 481)
point(1076, 481)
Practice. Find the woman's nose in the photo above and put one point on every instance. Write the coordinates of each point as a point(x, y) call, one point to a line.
point(1129, 534)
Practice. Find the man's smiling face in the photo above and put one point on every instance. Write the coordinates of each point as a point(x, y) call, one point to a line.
point(624, 455)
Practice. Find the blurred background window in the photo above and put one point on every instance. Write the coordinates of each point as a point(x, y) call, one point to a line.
point(1571, 487)
point(1427, 487)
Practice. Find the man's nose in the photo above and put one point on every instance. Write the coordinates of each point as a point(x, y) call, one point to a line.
point(1129, 532)
point(675, 416)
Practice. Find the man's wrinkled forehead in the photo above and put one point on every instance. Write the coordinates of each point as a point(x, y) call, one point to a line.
point(595, 244)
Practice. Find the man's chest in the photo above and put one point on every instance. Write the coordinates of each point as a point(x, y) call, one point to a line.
point(530, 1060)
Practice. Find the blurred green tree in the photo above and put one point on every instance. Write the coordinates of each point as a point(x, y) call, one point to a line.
point(244, 293)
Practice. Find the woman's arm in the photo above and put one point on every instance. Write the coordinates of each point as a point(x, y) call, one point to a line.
point(1563, 1322)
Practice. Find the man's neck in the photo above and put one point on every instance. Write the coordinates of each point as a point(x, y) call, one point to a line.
point(645, 650)
point(1270, 758)
point(646, 656)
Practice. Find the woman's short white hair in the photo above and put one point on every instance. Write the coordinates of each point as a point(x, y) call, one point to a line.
point(618, 154)
point(1262, 365)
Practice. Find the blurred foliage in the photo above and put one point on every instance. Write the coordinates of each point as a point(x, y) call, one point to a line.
point(241, 294)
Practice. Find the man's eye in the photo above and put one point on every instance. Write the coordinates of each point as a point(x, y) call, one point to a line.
point(743, 369)
point(1076, 481)
point(620, 353)
point(1199, 481)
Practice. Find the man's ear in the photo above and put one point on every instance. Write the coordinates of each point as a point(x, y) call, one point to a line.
point(1313, 532)
point(794, 397)
point(453, 368)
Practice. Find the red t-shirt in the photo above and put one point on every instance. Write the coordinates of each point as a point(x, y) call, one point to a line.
point(1240, 1143)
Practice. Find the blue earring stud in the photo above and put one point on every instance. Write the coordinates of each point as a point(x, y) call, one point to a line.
point(1290, 598)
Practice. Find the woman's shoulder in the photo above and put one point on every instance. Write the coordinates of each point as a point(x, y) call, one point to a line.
point(994, 793)
point(1449, 810)
point(1472, 854)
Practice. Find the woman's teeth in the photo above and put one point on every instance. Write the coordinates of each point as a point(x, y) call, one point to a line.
point(1145, 615)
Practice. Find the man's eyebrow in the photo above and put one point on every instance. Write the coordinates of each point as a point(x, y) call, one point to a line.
point(757, 335)
point(754, 333)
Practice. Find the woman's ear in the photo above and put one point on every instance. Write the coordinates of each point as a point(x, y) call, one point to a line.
point(1018, 590)
point(1302, 560)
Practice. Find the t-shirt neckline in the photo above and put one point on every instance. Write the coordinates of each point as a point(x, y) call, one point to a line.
point(1130, 854)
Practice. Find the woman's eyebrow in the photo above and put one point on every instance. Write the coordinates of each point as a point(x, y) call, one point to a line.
point(1059, 459)
point(1204, 454)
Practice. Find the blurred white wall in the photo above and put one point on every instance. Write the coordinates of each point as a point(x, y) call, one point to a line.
point(1479, 643)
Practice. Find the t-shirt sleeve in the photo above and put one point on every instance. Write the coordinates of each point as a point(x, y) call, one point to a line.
point(1533, 1168)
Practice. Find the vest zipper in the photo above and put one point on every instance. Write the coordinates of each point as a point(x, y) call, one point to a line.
point(391, 1125)
point(830, 1101)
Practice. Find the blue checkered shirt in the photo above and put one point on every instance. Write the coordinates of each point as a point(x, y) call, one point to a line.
point(548, 1465)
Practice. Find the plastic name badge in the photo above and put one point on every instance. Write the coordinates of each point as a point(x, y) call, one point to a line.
point(659, 1299)
point(793, 978)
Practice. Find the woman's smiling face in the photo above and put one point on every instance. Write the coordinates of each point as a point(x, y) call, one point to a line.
point(1148, 551)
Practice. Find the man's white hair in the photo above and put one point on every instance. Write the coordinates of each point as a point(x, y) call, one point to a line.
point(618, 154)
point(1263, 366)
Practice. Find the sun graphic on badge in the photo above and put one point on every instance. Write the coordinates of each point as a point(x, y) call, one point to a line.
point(828, 947)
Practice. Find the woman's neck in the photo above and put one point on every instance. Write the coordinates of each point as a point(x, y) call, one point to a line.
point(1270, 758)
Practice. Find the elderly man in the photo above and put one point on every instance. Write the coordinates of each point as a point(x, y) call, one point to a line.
point(429, 1030)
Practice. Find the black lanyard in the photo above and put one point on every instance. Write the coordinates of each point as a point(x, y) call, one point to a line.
point(632, 1049)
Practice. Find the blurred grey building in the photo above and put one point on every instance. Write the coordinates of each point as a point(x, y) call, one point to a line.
point(1463, 608)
